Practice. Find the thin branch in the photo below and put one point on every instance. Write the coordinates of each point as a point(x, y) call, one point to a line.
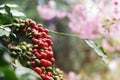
point(64, 34)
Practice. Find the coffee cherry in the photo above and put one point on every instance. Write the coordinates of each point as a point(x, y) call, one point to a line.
point(43, 55)
point(40, 29)
point(33, 24)
point(49, 54)
point(42, 76)
point(24, 31)
point(52, 60)
point(33, 64)
point(49, 74)
point(46, 31)
point(48, 77)
point(45, 63)
point(34, 50)
point(37, 55)
point(39, 25)
point(35, 41)
point(37, 61)
point(38, 70)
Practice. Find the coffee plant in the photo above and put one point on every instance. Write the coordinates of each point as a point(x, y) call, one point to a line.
point(29, 43)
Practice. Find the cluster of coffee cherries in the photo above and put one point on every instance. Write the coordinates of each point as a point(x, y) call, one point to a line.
point(38, 53)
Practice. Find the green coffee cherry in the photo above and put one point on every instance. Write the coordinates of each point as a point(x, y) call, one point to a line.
point(37, 61)
point(28, 53)
point(23, 47)
point(49, 69)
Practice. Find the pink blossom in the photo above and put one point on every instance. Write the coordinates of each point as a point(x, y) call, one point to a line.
point(73, 76)
point(107, 46)
point(61, 14)
point(52, 4)
point(89, 31)
point(46, 12)
point(84, 21)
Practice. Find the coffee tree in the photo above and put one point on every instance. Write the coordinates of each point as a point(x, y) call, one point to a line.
point(26, 44)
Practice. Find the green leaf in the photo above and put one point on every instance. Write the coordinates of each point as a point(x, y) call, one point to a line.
point(26, 74)
point(17, 13)
point(8, 73)
point(7, 9)
point(14, 38)
point(98, 50)
point(10, 5)
point(5, 70)
point(4, 31)
point(4, 19)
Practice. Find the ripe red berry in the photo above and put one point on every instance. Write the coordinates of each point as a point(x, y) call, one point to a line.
point(48, 41)
point(39, 35)
point(33, 64)
point(49, 37)
point(49, 54)
point(41, 44)
point(49, 74)
point(48, 64)
point(37, 55)
point(50, 48)
point(42, 76)
point(34, 32)
point(46, 31)
point(45, 63)
point(34, 50)
point(43, 55)
point(38, 70)
point(40, 29)
point(24, 30)
point(48, 77)
point(33, 24)
point(43, 34)
point(35, 41)
point(52, 60)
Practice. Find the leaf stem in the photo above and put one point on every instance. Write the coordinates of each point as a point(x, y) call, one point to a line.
point(64, 34)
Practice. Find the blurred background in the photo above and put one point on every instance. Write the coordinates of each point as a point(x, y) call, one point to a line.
point(72, 54)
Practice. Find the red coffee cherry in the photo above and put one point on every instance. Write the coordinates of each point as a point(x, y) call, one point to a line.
point(38, 70)
point(33, 24)
point(38, 55)
point(45, 63)
point(43, 55)
point(52, 60)
point(33, 64)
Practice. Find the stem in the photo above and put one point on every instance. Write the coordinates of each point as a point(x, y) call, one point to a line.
point(64, 34)
point(8, 25)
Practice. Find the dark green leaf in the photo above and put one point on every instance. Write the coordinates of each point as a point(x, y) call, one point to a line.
point(4, 31)
point(7, 9)
point(14, 38)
